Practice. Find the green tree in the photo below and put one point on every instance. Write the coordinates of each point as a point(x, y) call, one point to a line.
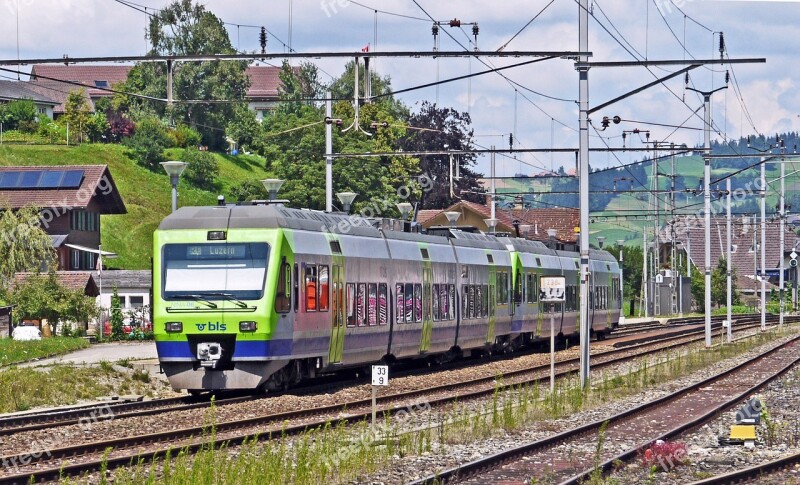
point(116, 316)
point(631, 272)
point(719, 287)
point(187, 28)
point(247, 190)
point(19, 115)
point(24, 245)
point(440, 127)
point(148, 143)
point(76, 114)
point(97, 127)
point(202, 170)
point(246, 131)
point(37, 297)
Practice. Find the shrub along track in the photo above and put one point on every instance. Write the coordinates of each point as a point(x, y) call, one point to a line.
point(87, 457)
point(632, 430)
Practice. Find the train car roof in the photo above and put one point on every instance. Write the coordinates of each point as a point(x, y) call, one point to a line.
point(263, 216)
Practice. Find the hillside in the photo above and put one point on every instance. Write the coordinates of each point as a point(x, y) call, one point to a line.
point(146, 194)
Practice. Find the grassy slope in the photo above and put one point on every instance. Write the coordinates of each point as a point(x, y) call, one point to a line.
point(146, 194)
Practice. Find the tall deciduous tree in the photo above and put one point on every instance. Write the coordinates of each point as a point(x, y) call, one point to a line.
point(186, 28)
point(24, 245)
point(439, 127)
point(76, 114)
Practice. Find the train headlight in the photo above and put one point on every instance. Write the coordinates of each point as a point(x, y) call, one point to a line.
point(174, 327)
point(248, 326)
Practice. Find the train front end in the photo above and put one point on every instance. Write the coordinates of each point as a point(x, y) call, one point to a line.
point(214, 322)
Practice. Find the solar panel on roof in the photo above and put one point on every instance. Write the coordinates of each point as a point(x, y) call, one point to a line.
point(30, 179)
point(72, 179)
point(9, 180)
point(50, 179)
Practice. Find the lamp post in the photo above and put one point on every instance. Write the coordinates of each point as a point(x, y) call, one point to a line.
point(346, 198)
point(600, 241)
point(491, 223)
point(272, 186)
point(174, 169)
point(452, 217)
point(551, 233)
point(405, 210)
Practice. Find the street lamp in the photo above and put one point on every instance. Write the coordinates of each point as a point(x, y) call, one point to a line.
point(452, 217)
point(174, 169)
point(551, 233)
point(272, 186)
point(525, 229)
point(405, 209)
point(491, 224)
point(346, 198)
point(600, 241)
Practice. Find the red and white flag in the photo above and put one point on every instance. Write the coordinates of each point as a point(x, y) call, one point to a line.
point(365, 48)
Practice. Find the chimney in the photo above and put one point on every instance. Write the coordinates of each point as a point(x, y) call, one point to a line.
point(745, 224)
point(488, 200)
point(536, 228)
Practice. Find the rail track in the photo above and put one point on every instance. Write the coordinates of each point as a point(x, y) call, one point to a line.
point(773, 472)
point(632, 430)
point(88, 457)
point(114, 410)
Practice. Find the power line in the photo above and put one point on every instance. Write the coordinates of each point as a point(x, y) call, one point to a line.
point(525, 26)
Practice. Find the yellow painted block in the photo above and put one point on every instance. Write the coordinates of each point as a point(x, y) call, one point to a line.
point(743, 432)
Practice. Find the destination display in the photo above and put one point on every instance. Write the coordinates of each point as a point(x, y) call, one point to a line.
point(216, 251)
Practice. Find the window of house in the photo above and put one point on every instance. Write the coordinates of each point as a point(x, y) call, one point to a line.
point(351, 304)
point(41, 110)
point(383, 299)
point(400, 313)
point(311, 288)
point(137, 301)
point(323, 289)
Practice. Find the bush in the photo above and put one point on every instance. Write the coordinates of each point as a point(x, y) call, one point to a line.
point(186, 137)
point(19, 115)
point(120, 125)
point(97, 128)
point(248, 190)
point(203, 169)
point(148, 143)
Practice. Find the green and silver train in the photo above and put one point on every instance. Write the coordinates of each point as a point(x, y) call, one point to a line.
point(263, 296)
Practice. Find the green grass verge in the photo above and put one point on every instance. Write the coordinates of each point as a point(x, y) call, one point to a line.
point(14, 351)
point(25, 388)
point(147, 194)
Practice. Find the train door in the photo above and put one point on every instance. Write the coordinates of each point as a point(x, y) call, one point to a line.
point(337, 316)
point(427, 310)
point(493, 282)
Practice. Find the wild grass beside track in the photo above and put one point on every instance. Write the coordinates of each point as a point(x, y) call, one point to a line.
point(15, 351)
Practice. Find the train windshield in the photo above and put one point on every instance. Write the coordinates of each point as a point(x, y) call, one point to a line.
point(232, 270)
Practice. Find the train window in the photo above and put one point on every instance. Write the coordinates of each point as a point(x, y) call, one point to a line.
point(518, 288)
point(444, 309)
point(538, 262)
point(296, 287)
point(282, 299)
point(424, 252)
point(471, 308)
point(465, 301)
point(361, 305)
point(400, 311)
point(311, 288)
point(502, 288)
point(351, 307)
point(478, 301)
point(427, 299)
point(417, 302)
point(336, 248)
point(451, 305)
point(323, 288)
point(485, 300)
point(436, 314)
point(383, 298)
point(372, 304)
point(492, 299)
point(577, 265)
point(490, 258)
point(409, 303)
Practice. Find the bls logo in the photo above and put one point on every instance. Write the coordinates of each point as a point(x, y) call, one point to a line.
point(211, 327)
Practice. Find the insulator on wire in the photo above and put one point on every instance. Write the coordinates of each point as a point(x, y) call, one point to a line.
point(686, 78)
point(727, 77)
point(262, 37)
point(721, 45)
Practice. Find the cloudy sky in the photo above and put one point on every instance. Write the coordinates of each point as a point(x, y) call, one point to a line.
point(541, 109)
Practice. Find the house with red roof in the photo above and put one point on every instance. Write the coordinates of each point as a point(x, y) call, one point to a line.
point(71, 199)
point(55, 81)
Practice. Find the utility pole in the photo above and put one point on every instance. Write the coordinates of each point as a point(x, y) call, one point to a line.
point(728, 259)
point(645, 282)
point(328, 155)
point(656, 238)
point(783, 221)
point(707, 201)
point(674, 279)
point(583, 173)
point(763, 245)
